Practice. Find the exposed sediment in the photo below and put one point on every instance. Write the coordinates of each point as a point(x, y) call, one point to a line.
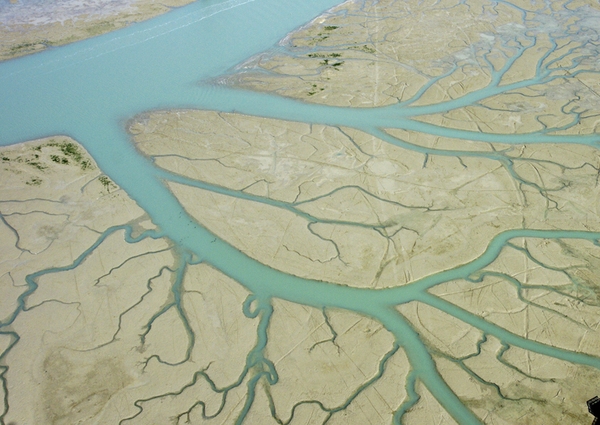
point(26, 29)
point(473, 157)
point(98, 308)
point(468, 228)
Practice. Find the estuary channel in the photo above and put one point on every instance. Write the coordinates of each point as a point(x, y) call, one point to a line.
point(90, 90)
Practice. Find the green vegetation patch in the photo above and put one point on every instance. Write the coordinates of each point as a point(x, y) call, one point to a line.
point(86, 164)
point(325, 62)
point(70, 151)
point(363, 48)
point(324, 55)
point(34, 181)
point(25, 46)
point(35, 164)
point(320, 38)
point(59, 159)
point(322, 35)
point(32, 159)
point(37, 157)
point(314, 89)
point(107, 183)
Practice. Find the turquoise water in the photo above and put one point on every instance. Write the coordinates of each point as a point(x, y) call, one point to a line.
point(88, 90)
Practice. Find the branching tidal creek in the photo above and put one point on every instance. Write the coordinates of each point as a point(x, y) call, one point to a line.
point(380, 213)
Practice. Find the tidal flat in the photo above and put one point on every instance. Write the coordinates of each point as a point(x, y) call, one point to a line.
point(36, 26)
point(424, 251)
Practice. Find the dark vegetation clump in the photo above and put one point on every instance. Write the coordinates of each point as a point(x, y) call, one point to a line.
point(70, 151)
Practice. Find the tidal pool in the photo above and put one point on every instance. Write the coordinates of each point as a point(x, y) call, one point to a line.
point(253, 212)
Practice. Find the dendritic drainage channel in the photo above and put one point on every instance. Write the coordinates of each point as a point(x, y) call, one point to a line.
point(412, 239)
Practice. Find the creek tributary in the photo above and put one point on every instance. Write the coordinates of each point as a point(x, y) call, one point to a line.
point(88, 90)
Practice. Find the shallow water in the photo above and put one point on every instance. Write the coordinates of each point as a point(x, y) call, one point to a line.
point(90, 89)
